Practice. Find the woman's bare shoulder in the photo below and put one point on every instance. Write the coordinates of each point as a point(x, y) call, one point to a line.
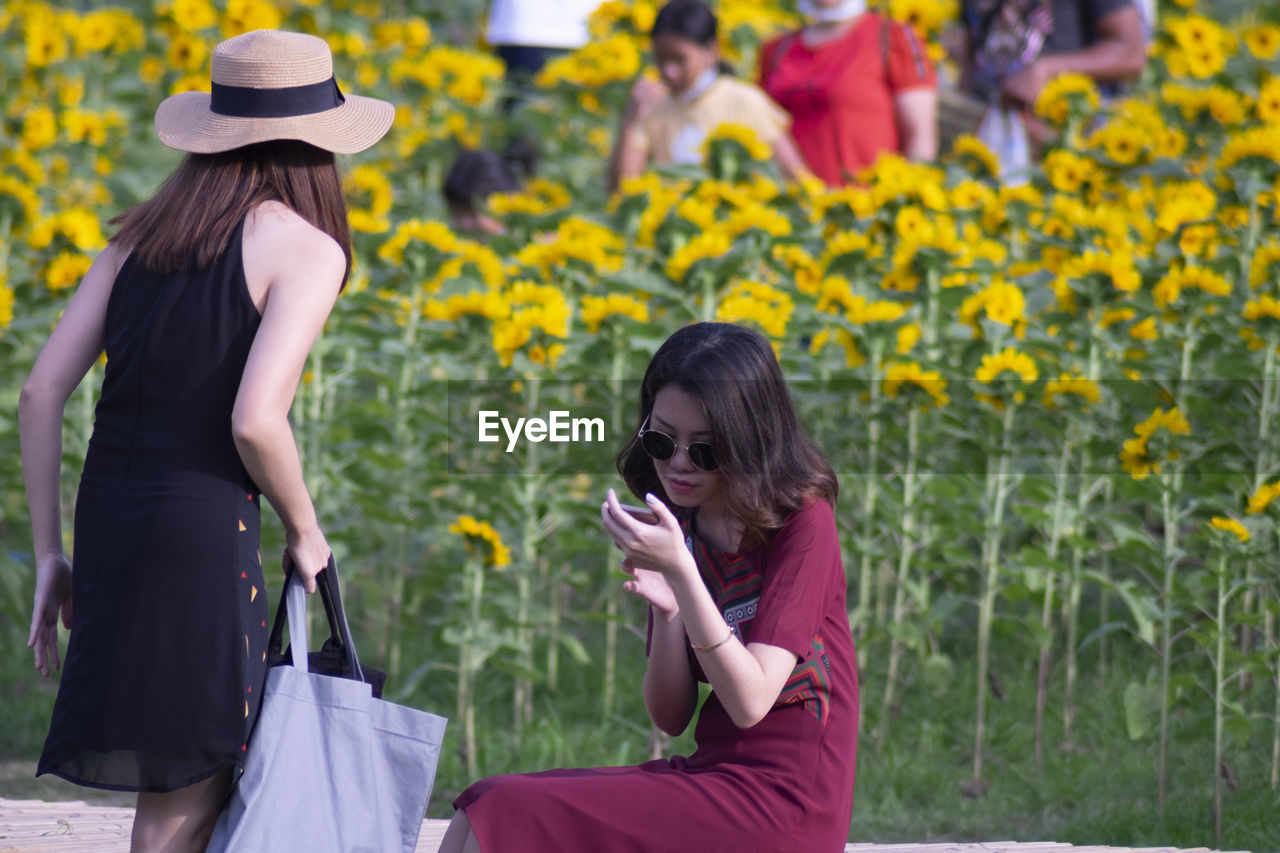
point(278, 224)
point(275, 233)
point(112, 258)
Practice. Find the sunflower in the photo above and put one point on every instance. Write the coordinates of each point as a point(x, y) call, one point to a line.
point(729, 135)
point(1066, 94)
point(1138, 458)
point(1259, 145)
point(1068, 171)
point(6, 305)
point(1268, 104)
point(900, 377)
point(1170, 287)
point(1066, 384)
point(1231, 526)
point(475, 532)
point(1265, 266)
point(1263, 497)
point(750, 301)
point(707, 245)
point(1001, 302)
point(597, 309)
point(370, 185)
point(1263, 41)
point(1009, 360)
point(973, 154)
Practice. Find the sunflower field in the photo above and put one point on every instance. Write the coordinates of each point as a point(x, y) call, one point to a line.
point(1053, 404)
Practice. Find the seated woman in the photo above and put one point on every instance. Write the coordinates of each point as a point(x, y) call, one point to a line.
point(740, 565)
point(855, 84)
point(666, 122)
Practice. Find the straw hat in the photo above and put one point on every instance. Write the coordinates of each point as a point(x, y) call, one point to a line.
point(269, 85)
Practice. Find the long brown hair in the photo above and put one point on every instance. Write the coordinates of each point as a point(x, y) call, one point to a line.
point(770, 466)
point(189, 221)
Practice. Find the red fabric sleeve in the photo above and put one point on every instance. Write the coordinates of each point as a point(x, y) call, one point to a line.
point(799, 564)
point(908, 60)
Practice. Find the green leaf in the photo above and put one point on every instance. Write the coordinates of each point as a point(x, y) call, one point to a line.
point(1142, 608)
point(575, 648)
point(1141, 709)
point(937, 672)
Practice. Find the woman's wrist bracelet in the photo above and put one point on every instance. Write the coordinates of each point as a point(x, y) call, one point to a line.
point(713, 646)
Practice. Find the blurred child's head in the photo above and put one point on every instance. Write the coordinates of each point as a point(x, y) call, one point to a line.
point(474, 176)
point(685, 43)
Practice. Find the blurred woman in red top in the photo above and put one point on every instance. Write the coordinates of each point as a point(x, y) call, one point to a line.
point(856, 84)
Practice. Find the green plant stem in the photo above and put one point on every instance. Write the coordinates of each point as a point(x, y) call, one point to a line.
point(1261, 467)
point(1071, 604)
point(708, 297)
point(469, 659)
point(1104, 594)
point(399, 540)
point(529, 510)
point(1219, 666)
point(1171, 487)
point(905, 548)
point(613, 587)
point(1104, 559)
point(1075, 579)
point(1275, 718)
point(997, 490)
point(1046, 613)
point(864, 614)
point(933, 308)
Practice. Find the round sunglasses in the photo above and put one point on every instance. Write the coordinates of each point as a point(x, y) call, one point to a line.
point(662, 447)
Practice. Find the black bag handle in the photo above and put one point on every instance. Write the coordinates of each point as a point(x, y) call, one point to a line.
point(339, 629)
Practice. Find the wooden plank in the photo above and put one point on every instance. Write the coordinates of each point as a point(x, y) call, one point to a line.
point(431, 836)
point(34, 826)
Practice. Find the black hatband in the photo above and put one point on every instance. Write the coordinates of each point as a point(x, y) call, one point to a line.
point(245, 102)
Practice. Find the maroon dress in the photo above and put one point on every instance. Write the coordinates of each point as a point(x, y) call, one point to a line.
point(785, 784)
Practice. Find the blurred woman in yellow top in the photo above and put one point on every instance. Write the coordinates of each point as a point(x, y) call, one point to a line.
point(666, 121)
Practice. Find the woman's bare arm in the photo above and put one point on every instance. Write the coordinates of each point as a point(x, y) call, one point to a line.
point(72, 348)
point(298, 271)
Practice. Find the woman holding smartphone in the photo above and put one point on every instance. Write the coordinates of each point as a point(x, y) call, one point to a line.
point(746, 591)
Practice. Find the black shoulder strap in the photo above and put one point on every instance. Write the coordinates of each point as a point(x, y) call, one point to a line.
point(885, 23)
point(917, 52)
point(784, 44)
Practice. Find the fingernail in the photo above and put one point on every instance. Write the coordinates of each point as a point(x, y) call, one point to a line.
point(650, 498)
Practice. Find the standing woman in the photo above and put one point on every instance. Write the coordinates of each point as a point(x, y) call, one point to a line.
point(856, 84)
point(666, 122)
point(206, 302)
point(742, 573)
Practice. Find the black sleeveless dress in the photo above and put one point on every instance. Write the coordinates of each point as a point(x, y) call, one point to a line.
point(167, 656)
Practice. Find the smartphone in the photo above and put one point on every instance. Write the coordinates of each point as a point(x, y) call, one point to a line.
point(643, 513)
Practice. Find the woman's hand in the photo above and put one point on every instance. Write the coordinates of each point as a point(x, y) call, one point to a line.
point(652, 587)
point(658, 547)
point(309, 554)
point(644, 94)
point(53, 594)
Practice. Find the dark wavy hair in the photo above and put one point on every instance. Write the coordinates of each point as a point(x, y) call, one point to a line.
point(771, 467)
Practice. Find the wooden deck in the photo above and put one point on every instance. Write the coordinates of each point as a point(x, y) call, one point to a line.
point(34, 825)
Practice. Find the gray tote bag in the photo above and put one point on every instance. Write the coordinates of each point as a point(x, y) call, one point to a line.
point(329, 768)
